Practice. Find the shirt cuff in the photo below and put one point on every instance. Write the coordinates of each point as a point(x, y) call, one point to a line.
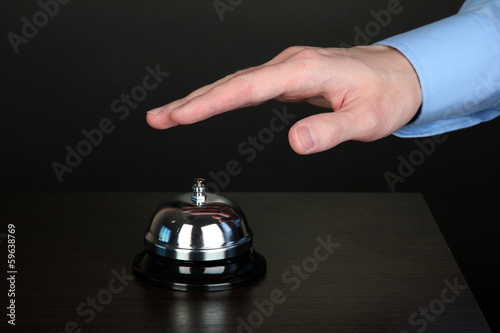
point(457, 62)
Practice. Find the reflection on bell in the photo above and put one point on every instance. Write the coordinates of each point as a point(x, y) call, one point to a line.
point(199, 241)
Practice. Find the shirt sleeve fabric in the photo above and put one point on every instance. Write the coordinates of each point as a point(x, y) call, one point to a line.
point(457, 61)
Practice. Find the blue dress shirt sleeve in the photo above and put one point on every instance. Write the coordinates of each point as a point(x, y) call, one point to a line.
point(458, 63)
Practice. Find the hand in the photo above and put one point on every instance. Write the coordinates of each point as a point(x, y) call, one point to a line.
point(373, 90)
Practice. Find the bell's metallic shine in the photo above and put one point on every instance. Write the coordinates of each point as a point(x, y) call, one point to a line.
point(213, 231)
point(199, 241)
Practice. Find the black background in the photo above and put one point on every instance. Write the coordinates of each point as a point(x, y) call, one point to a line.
point(65, 78)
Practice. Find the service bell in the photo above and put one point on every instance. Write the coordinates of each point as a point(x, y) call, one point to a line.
point(199, 241)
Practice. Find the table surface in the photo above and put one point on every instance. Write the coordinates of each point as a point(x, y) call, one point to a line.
point(390, 269)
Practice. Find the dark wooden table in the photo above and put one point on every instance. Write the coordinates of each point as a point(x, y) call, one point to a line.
point(386, 269)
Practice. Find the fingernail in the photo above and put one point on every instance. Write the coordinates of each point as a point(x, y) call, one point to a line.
point(155, 111)
point(306, 138)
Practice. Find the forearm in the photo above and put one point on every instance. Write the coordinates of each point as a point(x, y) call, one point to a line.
point(458, 63)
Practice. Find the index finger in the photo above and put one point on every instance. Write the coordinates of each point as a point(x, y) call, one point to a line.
point(242, 90)
point(251, 86)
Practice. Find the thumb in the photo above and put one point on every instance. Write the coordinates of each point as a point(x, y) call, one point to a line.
point(323, 131)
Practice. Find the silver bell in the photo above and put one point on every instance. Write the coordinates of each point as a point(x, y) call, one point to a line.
point(199, 241)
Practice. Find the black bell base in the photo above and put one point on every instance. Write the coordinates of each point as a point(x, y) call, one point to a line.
point(200, 275)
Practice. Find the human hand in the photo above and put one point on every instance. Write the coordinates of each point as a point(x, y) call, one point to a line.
point(373, 90)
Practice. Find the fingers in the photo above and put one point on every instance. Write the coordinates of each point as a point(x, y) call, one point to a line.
point(248, 89)
point(323, 131)
point(287, 54)
point(222, 95)
point(241, 90)
point(159, 118)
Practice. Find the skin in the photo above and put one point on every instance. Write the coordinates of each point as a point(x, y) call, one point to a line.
point(372, 91)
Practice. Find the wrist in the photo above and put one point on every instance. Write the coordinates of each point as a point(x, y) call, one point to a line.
point(398, 72)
